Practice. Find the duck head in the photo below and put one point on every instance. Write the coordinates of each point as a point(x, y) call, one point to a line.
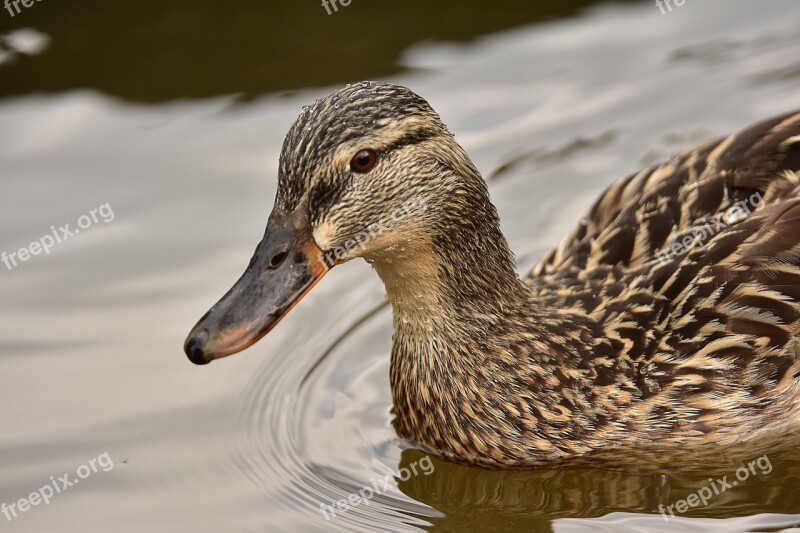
point(362, 173)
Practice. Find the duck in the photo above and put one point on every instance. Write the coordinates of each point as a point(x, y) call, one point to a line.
point(670, 315)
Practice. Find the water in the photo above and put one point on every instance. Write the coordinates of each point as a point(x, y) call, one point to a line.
point(553, 104)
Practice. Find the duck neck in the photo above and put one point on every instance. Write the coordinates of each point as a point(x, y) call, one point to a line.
point(467, 332)
point(459, 272)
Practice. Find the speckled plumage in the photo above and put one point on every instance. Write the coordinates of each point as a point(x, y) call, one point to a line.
point(610, 341)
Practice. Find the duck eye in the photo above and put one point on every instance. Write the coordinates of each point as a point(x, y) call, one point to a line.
point(363, 161)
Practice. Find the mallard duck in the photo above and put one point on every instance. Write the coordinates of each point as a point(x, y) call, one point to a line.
point(669, 315)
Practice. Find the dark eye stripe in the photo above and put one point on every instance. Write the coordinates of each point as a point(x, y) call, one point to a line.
point(321, 196)
point(412, 137)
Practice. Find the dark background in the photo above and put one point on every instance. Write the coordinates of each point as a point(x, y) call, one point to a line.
point(155, 51)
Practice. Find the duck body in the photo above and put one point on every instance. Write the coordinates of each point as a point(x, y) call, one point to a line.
point(670, 315)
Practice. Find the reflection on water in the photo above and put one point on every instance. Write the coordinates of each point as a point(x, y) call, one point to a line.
point(151, 51)
point(91, 345)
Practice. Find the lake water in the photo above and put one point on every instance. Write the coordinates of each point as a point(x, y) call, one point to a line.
point(167, 121)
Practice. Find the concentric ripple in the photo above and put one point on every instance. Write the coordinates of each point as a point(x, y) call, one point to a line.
point(318, 428)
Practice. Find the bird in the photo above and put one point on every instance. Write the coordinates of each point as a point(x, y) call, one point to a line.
point(669, 316)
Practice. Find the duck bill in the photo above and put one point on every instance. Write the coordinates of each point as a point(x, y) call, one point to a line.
point(286, 264)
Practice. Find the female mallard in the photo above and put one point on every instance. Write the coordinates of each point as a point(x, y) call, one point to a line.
point(670, 315)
